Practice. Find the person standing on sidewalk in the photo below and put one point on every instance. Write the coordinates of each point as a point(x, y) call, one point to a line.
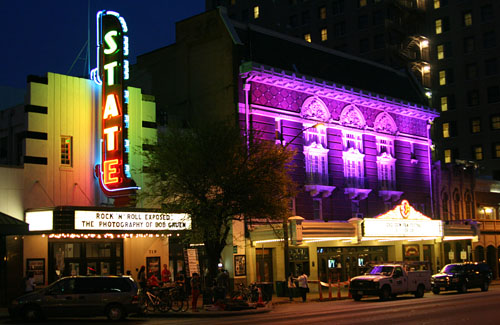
point(291, 285)
point(304, 288)
point(195, 290)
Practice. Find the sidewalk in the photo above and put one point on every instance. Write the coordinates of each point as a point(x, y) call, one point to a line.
point(311, 297)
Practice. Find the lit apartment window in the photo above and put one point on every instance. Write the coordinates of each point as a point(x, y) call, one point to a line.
point(322, 13)
point(66, 150)
point(324, 34)
point(467, 19)
point(495, 122)
point(475, 125)
point(439, 26)
point(446, 130)
point(307, 37)
point(437, 4)
point(362, 3)
point(447, 156)
point(442, 77)
point(478, 152)
point(444, 104)
point(256, 12)
point(496, 150)
point(440, 51)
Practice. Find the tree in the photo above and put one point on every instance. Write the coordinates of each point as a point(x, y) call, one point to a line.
point(216, 175)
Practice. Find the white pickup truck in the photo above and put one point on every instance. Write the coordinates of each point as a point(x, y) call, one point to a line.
point(390, 280)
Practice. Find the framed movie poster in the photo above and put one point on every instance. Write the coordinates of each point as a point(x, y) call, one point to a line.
point(240, 267)
point(37, 267)
point(153, 266)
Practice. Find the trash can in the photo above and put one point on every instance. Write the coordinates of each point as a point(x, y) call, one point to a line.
point(281, 287)
point(267, 291)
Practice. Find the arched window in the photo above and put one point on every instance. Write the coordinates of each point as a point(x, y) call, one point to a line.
point(468, 206)
point(456, 206)
point(445, 207)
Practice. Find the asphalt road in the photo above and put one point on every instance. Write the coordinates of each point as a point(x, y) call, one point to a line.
point(474, 307)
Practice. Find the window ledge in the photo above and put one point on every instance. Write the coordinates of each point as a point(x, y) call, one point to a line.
point(324, 190)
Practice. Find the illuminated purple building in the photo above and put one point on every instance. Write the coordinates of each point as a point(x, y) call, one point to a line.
point(360, 130)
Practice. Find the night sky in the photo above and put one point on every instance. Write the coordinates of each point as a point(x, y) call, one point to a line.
point(46, 36)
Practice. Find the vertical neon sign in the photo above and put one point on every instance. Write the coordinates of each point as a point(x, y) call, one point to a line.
point(111, 73)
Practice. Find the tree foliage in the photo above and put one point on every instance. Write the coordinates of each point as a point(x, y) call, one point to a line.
point(216, 175)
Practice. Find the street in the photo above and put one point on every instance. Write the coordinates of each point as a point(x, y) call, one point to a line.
point(474, 307)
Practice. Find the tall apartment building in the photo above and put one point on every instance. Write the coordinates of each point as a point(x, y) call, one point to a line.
point(451, 46)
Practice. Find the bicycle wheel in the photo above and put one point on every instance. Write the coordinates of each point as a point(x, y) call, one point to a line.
point(185, 304)
point(176, 304)
point(166, 302)
point(150, 305)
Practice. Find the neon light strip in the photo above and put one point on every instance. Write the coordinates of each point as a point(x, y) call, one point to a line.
point(267, 241)
point(447, 238)
point(102, 180)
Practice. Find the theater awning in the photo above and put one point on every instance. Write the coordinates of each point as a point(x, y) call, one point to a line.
point(12, 226)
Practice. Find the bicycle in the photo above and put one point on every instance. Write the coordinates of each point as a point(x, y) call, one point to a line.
point(150, 301)
point(243, 293)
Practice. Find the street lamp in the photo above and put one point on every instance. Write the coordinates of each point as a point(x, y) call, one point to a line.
point(285, 220)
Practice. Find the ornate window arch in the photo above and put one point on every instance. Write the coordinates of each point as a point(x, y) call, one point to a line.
point(384, 123)
point(444, 203)
point(468, 205)
point(352, 116)
point(456, 205)
point(314, 108)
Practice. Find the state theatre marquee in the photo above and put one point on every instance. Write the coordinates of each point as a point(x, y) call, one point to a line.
point(402, 221)
point(127, 221)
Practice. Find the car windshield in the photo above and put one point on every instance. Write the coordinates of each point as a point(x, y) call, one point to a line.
point(450, 269)
point(381, 270)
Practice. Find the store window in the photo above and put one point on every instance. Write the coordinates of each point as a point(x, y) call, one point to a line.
point(66, 150)
point(478, 152)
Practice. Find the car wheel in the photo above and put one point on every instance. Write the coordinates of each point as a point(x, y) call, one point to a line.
point(32, 313)
point(115, 312)
point(385, 294)
point(463, 288)
point(435, 291)
point(485, 286)
point(420, 291)
point(357, 297)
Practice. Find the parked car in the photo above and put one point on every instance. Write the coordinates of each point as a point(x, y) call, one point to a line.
point(461, 277)
point(80, 296)
point(390, 280)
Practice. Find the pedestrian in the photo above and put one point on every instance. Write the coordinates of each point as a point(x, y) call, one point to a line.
point(153, 281)
point(141, 277)
point(166, 275)
point(291, 285)
point(195, 290)
point(303, 287)
point(30, 282)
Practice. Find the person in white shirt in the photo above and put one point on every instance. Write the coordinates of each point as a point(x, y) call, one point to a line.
point(303, 287)
point(30, 282)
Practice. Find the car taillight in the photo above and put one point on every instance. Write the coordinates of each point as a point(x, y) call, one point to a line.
point(135, 299)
